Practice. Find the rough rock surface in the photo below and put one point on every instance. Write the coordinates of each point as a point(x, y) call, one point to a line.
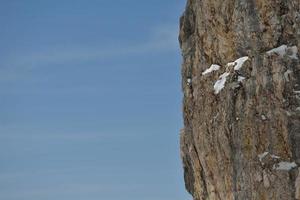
point(241, 135)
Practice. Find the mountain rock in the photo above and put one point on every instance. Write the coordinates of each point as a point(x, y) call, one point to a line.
point(241, 105)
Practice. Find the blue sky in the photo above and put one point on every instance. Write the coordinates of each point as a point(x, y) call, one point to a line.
point(90, 100)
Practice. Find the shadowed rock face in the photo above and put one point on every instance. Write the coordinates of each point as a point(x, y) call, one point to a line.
point(241, 135)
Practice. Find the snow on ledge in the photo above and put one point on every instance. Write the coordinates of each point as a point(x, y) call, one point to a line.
point(286, 166)
point(241, 78)
point(219, 84)
point(284, 49)
point(294, 51)
point(279, 50)
point(286, 75)
point(262, 155)
point(212, 68)
point(231, 64)
point(238, 63)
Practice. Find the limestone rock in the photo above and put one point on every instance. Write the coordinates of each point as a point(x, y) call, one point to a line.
point(241, 135)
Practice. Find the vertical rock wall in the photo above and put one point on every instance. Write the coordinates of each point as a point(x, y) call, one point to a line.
point(241, 106)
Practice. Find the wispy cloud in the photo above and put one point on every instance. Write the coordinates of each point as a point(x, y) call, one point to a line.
point(56, 136)
point(19, 131)
point(161, 40)
point(70, 136)
point(71, 190)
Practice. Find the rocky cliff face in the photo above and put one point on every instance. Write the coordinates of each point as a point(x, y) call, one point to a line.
point(241, 85)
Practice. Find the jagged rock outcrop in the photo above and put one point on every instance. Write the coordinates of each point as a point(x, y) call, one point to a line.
point(241, 85)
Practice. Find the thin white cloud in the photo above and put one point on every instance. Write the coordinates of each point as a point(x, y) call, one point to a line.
point(163, 39)
point(70, 189)
point(63, 136)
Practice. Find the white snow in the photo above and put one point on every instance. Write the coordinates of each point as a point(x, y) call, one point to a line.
point(239, 62)
point(219, 84)
point(294, 51)
point(241, 78)
point(263, 117)
point(212, 68)
point(288, 113)
point(285, 166)
point(275, 157)
point(297, 91)
point(279, 50)
point(283, 49)
point(261, 156)
point(264, 154)
point(286, 74)
point(189, 81)
point(230, 64)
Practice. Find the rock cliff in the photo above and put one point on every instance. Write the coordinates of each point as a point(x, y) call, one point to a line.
point(241, 105)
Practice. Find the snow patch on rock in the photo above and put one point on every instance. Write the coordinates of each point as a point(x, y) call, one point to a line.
point(238, 63)
point(262, 155)
point(219, 84)
point(296, 91)
point(230, 64)
point(284, 49)
point(212, 68)
point(286, 166)
point(286, 75)
point(281, 50)
point(241, 78)
point(293, 51)
point(188, 81)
